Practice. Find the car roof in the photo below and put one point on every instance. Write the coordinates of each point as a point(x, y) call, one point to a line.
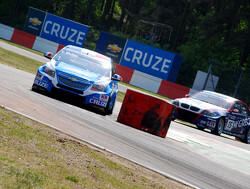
point(90, 53)
point(225, 97)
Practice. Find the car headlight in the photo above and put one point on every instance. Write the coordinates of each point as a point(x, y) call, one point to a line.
point(49, 71)
point(208, 113)
point(96, 87)
point(175, 102)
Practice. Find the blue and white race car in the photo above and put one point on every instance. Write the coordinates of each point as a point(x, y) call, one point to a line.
point(81, 74)
point(216, 112)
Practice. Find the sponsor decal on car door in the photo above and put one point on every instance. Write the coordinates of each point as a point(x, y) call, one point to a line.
point(236, 123)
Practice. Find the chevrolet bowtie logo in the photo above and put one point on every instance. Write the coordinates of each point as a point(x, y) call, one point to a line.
point(114, 48)
point(73, 79)
point(35, 21)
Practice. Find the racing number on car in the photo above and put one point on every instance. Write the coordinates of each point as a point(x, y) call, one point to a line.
point(229, 125)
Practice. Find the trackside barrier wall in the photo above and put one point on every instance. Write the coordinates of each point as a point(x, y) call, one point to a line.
point(6, 32)
point(172, 90)
point(129, 75)
point(45, 45)
point(146, 113)
point(23, 38)
point(28, 40)
point(125, 72)
point(146, 81)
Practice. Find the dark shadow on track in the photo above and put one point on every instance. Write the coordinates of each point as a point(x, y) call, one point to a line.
point(71, 99)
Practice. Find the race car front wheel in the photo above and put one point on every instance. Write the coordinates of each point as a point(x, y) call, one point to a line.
point(219, 127)
point(109, 108)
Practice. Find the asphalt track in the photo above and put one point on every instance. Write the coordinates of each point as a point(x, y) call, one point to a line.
point(191, 156)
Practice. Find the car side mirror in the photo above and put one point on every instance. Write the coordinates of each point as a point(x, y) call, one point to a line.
point(187, 96)
point(117, 77)
point(48, 55)
point(236, 111)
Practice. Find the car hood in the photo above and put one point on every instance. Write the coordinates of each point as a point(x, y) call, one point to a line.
point(200, 104)
point(77, 72)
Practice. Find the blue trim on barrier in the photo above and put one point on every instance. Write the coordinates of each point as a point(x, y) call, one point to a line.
point(101, 43)
point(175, 68)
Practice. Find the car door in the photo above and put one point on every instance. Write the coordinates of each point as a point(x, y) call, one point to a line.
point(237, 119)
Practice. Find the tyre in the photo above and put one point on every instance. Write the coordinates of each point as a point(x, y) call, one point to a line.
point(247, 137)
point(34, 88)
point(109, 108)
point(201, 128)
point(219, 127)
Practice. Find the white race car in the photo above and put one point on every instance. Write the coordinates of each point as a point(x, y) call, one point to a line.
point(216, 112)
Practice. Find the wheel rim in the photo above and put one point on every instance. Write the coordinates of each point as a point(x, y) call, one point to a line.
point(220, 126)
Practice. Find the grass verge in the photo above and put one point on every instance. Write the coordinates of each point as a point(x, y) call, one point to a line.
point(33, 155)
point(22, 47)
point(18, 61)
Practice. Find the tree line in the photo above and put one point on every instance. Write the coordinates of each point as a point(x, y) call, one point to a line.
point(199, 30)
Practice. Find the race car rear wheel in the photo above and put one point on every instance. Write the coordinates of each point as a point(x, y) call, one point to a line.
point(247, 137)
point(219, 127)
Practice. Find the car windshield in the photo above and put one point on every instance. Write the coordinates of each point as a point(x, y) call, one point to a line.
point(85, 61)
point(212, 99)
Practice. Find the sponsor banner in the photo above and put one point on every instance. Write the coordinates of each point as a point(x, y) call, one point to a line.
point(111, 46)
point(147, 59)
point(101, 43)
point(34, 21)
point(63, 31)
point(114, 47)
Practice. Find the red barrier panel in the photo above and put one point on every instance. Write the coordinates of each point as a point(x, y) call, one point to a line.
point(23, 38)
point(125, 72)
point(172, 90)
point(146, 113)
point(60, 47)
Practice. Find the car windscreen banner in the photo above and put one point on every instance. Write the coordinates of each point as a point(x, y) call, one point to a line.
point(111, 46)
point(147, 59)
point(34, 21)
point(63, 31)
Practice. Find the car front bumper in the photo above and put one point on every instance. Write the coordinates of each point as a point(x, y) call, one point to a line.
point(45, 83)
point(199, 120)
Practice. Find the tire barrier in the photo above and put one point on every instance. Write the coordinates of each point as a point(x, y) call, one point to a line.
point(146, 113)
